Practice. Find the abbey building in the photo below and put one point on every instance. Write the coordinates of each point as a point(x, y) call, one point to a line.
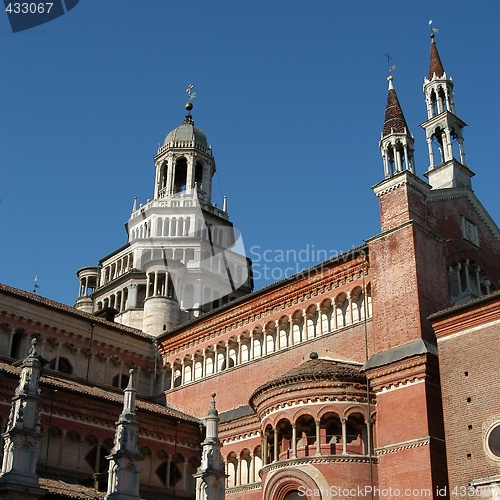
point(370, 374)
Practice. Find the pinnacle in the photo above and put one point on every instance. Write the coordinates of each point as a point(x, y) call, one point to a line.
point(435, 65)
point(394, 120)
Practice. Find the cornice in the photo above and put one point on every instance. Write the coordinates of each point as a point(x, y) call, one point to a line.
point(259, 308)
point(404, 178)
point(406, 445)
point(316, 459)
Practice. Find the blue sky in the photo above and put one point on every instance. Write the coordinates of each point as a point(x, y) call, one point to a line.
point(290, 94)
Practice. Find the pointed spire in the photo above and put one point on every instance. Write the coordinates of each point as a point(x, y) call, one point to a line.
point(123, 471)
point(23, 433)
point(394, 120)
point(134, 205)
point(435, 65)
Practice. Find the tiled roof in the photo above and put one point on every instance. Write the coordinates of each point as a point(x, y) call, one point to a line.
point(435, 65)
point(394, 120)
point(65, 309)
point(317, 369)
point(71, 385)
point(58, 488)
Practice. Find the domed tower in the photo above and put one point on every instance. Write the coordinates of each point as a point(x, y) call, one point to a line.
point(179, 260)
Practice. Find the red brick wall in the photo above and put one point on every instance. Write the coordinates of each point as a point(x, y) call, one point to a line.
point(469, 349)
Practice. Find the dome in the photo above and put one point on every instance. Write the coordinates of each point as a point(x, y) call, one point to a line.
point(187, 132)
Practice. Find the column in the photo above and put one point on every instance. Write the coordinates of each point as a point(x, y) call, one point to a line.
point(478, 280)
point(278, 340)
point(250, 354)
point(368, 436)
point(155, 285)
point(169, 462)
point(318, 436)
point(275, 458)
point(466, 273)
point(431, 153)
point(203, 363)
point(290, 331)
point(344, 435)
point(62, 439)
point(184, 467)
point(79, 456)
point(294, 440)
point(58, 351)
point(349, 305)
point(98, 457)
point(172, 377)
point(264, 449)
point(216, 361)
point(227, 356)
point(183, 366)
point(251, 474)
point(238, 472)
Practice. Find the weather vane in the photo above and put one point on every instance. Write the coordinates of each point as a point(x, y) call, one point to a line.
point(190, 93)
point(433, 30)
point(389, 59)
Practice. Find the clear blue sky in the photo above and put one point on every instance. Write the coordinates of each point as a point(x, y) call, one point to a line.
point(290, 94)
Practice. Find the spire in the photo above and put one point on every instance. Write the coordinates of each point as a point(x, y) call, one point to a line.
point(23, 433)
point(210, 477)
point(396, 143)
point(394, 120)
point(444, 129)
point(123, 478)
point(435, 66)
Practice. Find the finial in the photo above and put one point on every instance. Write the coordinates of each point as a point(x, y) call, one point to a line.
point(189, 104)
point(130, 384)
point(389, 79)
point(433, 31)
point(212, 406)
point(32, 353)
point(35, 286)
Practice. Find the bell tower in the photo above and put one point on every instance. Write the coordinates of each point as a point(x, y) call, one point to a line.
point(443, 129)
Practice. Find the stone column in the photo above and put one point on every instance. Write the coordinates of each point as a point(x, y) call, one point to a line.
point(318, 436)
point(344, 435)
point(294, 440)
point(276, 454)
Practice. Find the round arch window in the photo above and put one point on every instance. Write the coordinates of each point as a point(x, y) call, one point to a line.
point(492, 441)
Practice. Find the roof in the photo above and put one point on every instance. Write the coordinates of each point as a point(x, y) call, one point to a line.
point(394, 120)
point(414, 348)
point(59, 488)
point(187, 132)
point(317, 369)
point(235, 413)
point(465, 305)
point(77, 387)
point(65, 309)
point(435, 65)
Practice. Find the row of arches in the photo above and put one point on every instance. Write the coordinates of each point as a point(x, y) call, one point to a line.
point(243, 468)
point(74, 360)
point(308, 435)
point(117, 268)
point(347, 308)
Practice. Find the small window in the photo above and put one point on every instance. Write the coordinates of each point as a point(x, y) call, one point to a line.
point(470, 232)
point(492, 442)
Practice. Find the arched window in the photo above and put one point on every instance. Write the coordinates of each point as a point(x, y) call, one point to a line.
point(121, 382)
point(15, 350)
point(63, 366)
point(180, 178)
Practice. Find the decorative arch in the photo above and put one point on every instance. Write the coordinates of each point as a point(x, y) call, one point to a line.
point(289, 480)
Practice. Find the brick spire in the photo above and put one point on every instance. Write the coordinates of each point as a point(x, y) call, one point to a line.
point(394, 120)
point(435, 65)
